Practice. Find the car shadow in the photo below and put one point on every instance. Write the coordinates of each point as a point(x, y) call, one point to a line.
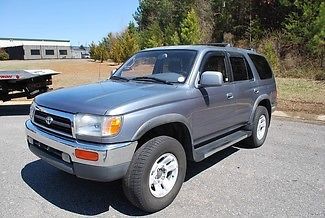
point(91, 198)
point(14, 110)
point(194, 168)
point(76, 195)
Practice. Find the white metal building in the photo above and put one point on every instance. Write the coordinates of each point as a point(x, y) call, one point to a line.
point(29, 49)
point(34, 49)
point(12, 42)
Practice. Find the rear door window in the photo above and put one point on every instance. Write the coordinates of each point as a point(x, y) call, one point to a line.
point(240, 69)
point(262, 66)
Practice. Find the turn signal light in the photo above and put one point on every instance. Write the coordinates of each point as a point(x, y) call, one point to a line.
point(86, 155)
point(112, 126)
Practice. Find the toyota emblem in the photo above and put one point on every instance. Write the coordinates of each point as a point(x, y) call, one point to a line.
point(48, 120)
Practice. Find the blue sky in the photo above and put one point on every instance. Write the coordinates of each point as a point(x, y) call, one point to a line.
point(81, 21)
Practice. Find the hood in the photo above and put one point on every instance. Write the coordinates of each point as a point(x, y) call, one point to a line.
point(98, 98)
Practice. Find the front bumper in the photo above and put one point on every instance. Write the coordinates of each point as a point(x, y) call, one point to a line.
point(112, 164)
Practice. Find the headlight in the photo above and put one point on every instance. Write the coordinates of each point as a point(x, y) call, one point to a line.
point(92, 125)
point(32, 110)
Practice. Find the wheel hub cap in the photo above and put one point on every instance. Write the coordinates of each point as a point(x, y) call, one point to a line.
point(261, 127)
point(163, 175)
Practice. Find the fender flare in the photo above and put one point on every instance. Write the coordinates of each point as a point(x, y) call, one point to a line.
point(257, 101)
point(161, 120)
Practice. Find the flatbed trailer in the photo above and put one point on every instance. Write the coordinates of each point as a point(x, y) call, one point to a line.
point(24, 83)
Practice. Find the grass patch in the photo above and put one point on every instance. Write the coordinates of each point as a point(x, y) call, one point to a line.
point(301, 95)
point(311, 73)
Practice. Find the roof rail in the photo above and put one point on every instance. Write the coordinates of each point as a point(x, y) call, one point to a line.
point(250, 49)
point(217, 44)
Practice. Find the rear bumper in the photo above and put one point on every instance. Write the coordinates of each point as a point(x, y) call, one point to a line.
point(58, 151)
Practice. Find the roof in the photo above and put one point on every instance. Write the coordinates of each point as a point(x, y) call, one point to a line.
point(39, 40)
point(202, 47)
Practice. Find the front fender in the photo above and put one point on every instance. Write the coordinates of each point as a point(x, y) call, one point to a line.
point(160, 120)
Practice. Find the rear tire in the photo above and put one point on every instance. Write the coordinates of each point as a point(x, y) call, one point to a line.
point(261, 123)
point(156, 174)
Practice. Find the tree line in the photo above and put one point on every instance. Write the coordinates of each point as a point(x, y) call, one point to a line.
point(120, 46)
point(275, 27)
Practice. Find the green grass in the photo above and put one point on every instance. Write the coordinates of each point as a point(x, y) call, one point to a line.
point(301, 95)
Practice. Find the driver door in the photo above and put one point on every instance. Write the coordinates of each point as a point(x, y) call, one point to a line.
point(217, 104)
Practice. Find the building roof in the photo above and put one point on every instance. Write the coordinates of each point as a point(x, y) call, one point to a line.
point(39, 40)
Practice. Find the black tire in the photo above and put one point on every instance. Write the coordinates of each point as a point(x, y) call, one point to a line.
point(136, 181)
point(253, 141)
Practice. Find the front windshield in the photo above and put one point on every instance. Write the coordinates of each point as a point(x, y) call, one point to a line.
point(172, 66)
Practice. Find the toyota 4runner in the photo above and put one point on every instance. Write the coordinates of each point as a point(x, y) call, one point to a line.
point(162, 107)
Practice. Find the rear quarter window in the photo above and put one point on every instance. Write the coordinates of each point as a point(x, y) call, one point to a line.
point(262, 66)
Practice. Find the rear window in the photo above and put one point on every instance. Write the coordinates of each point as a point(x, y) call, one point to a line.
point(262, 66)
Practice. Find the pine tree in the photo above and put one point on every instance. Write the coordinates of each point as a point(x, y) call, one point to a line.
point(3, 55)
point(124, 44)
point(94, 54)
point(130, 42)
point(318, 41)
point(190, 29)
point(171, 35)
point(300, 26)
point(152, 36)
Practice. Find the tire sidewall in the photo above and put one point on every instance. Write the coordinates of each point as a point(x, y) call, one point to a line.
point(167, 145)
point(259, 112)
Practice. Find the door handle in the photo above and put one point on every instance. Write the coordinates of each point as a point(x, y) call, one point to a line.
point(230, 96)
point(256, 91)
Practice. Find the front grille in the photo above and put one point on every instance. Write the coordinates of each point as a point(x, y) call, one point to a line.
point(58, 124)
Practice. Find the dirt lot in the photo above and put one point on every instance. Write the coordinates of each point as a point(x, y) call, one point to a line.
point(297, 95)
point(73, 72)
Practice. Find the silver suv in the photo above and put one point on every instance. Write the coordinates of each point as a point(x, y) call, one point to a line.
point(161, 108)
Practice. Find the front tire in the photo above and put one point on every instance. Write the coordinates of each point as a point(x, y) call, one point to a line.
point(156, 174)
point(261, 123)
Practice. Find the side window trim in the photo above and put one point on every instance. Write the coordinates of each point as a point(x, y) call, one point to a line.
point(249, 70)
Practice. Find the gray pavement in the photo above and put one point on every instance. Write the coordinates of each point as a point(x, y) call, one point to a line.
point(285, 177)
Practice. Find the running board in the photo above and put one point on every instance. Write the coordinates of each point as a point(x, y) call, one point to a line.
point(207, 150)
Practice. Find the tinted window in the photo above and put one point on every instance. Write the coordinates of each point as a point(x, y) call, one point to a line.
point(35, 52)
point(63, 52)
point(239, 69)
point(49, 52)
point(262, 66)
point(216, 63)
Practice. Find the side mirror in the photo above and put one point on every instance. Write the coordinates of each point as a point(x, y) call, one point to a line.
point(112, 72)
point(211, 78)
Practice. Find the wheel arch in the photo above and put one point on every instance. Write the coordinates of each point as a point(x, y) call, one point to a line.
point(173, 125)
point(263, 100)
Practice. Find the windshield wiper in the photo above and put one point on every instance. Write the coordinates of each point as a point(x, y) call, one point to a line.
point(119, 78)
point(151, 79)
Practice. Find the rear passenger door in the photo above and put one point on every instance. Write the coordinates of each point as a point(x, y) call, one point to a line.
point(245, 86)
